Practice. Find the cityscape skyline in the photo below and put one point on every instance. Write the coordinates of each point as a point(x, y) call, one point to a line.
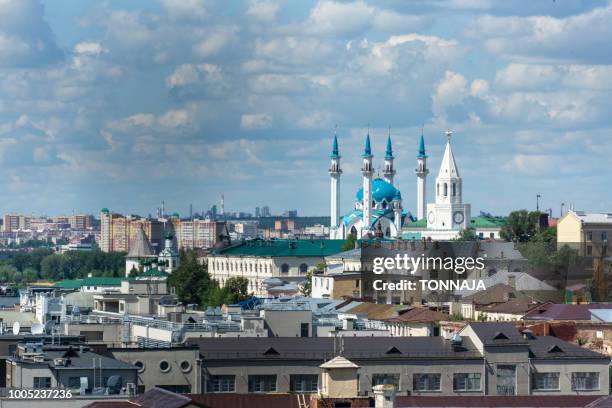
point(125, 105)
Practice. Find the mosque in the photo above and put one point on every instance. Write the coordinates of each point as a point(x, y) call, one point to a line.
point(379, 208)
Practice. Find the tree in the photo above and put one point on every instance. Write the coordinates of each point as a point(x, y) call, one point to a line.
point(520, 226)
point(306, 288)
point(349, 243)
point(467, 234)
point(237, 288)
point(190, 279)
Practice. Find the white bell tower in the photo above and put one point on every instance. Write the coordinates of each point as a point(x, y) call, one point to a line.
point(448, 215)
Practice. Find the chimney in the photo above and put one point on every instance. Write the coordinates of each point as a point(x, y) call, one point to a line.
point(384, 396)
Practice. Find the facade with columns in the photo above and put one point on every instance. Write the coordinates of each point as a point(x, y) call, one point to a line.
point(379, 210)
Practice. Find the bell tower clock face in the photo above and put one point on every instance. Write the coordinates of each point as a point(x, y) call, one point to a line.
point(458, 217)
point(431, 217)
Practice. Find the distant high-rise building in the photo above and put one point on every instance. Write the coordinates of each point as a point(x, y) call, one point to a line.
point(222, 210)
point(11, 222)
point(80, 221)
point(257, 212)
point(265, 211)
point(118, 232)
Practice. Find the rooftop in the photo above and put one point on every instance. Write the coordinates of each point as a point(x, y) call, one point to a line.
point(322, 348)
point(595, 218)
point(567, 312)
point(283, 248)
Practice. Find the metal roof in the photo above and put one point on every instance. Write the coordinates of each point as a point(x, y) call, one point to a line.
point(283, 248)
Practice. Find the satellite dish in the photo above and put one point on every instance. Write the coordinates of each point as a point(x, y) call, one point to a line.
point(37, 328)
point(16, 328)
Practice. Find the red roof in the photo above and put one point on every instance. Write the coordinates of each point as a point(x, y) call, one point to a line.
point(531, 401)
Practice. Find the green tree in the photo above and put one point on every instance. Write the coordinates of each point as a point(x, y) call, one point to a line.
point(467, 234)
point(237, 288)
point(349, 243)
point(520, 226)
point(190, 279)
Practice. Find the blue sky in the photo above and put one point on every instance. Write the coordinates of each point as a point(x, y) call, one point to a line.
point(124, 104)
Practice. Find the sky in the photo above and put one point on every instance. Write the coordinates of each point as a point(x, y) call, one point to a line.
point(124, 104)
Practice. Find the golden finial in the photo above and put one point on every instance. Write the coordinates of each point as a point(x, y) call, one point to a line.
point(449, 133)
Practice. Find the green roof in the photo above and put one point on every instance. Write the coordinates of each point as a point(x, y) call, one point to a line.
point(94, 281)
point(487, 222)
point(422, 223)
point(68, 284)
point(409, 235)
point(284, 247)
point(153, 273)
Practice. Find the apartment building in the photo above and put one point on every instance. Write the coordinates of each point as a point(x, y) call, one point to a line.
point(120, 233)
point(482, 359)
point(588, 232)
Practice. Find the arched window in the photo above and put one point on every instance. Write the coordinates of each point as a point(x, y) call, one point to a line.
point(445, 190)
point(285, 268)
point(303, 268)
point(384, 204)
point(454, 189)
point(388, 232)
point(438, 189)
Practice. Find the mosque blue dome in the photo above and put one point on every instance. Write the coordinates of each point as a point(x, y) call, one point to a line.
point(381, 190)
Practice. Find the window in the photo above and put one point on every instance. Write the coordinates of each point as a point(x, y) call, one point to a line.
point(41, 382)
point(545, 381)
point(378, 379)
point(426, 382)
point(589, 250)
point(221, 383)
point(303, 383)
point(140, 365)
point(303, 268)
point(164, 366)
point(585, 381)
point(506, 379)
point(285, 268)
point(589, 236)
point(604, 236)
point(74, 382)
point(304, 329)
point(466, 382)
point(454, 189)
point(445, 190)
point(185, 366)
point(262, 383)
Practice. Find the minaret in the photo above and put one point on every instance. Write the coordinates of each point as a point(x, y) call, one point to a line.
point(421, 172)
point(334, 171)
point(389, 171)
point(367, 170)
point(397, 213)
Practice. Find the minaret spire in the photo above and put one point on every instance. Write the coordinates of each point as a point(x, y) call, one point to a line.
point(421, 172)
point(389, 171)
point(334, 172)
point(367, 170)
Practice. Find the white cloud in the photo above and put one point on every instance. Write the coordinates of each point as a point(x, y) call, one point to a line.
point(263, 10)
point(256, 121)
point(576, 38)
point(89, 47)
point(450, 91)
